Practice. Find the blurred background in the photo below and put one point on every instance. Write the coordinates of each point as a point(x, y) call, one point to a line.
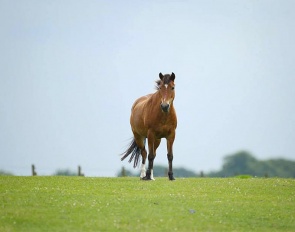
point(71, 70)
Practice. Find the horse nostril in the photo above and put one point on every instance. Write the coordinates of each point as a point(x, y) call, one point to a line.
point(165, 107)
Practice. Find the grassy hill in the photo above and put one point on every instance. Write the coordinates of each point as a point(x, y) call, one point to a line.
point(128, 204)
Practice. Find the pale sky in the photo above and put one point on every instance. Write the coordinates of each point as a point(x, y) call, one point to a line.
point(71, 70)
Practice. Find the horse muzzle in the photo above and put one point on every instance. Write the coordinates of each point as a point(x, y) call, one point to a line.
point(165, 107)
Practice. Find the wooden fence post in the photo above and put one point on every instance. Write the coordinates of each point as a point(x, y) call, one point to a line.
point(123, 172)
point(80, 171)
point(34, 173)
point(202, 174)
point(266, 175)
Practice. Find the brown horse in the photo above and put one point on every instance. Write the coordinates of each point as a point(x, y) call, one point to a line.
point(153, 117)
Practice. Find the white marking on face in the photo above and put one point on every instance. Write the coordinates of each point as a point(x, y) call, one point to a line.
point(165, 94)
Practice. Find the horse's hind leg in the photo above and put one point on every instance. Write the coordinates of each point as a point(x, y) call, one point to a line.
point(141, 144)
point(142, 169)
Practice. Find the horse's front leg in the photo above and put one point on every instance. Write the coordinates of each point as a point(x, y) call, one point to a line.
point(151, 157)
point(153, 145)
point(170, 142)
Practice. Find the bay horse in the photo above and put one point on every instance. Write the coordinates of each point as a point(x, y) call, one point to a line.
point(153, 117)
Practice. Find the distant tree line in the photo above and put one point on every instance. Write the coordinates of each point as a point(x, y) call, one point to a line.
point(68, 172)
point(244, 163)
point(65, 172)
point(4, 173)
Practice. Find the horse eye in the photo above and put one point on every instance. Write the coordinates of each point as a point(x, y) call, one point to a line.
point(172, 88)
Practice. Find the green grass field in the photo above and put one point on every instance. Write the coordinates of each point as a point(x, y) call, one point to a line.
point(128, 204)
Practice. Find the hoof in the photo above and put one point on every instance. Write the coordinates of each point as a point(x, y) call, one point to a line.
point(146, 178)
point(149, 175)
point(170, 175)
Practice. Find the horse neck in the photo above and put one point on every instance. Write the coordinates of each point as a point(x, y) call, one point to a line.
point(155, 99)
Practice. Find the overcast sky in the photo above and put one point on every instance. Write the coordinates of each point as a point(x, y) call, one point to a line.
point(71, 70)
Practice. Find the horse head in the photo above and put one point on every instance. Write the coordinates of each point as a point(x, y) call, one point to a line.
point(166, 87)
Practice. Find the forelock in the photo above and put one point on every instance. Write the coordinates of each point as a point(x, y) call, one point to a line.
point(166, 79)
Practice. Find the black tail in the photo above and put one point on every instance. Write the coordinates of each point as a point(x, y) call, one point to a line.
point(135, 152)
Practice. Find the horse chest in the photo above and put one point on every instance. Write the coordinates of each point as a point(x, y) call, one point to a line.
point(162, 130)
point(162, 133)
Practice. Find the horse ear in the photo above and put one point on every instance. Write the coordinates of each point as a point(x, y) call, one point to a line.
point(172, 77)
point(161, 76)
